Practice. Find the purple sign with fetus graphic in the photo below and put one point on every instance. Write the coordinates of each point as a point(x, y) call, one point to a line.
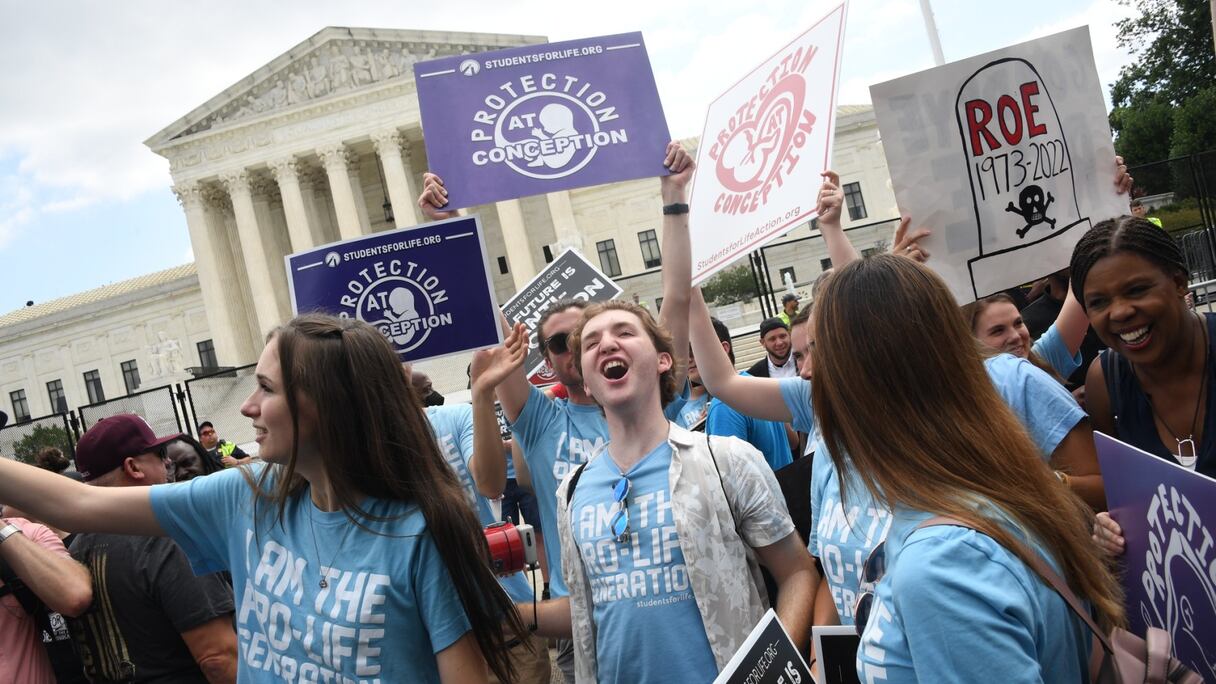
point(541, 118)
point(1168, 515)
point(427, 289)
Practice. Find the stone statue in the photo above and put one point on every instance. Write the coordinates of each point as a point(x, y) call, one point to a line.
point(297, 87)
point(170, 351)
point(318, 79)
point(156, 367)
point(339, 70)
point(385, 65)
point(361, 68)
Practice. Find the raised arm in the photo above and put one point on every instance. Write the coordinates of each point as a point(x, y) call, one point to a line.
point(756, 397)
point(77, 507)
point(1072, 323)
point(490, 367)
point(677, 255)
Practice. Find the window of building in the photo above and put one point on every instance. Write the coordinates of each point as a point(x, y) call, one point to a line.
point(206, 355)
point(59, 401)
point(788, 270)
point(130, 375)
point(548, 254)
point(650, 248)
point(825, 263)
point(815, 224)
point(869, 251)
point(609, 264)
point(92, 384)
point(21, 407)
point(854, 201)
point(658, 304)
point(502, 265)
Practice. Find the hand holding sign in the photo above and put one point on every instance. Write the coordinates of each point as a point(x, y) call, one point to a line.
point(831, 198)
point(908, 245)
point(434, 198)
point(681, 165)
point(1108, 535)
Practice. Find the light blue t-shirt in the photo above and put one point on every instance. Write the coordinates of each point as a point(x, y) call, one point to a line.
point(956, 606)
point(453, 426)
point(691, 412)
point(766, 435)
point(1051, 348)
point(842, 539)
point(648, 626)
point(389, 605)
point(556, 437)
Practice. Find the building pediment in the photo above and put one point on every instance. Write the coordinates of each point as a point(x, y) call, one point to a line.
point(334, 62)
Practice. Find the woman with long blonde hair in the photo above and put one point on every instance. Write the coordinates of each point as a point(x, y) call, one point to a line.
point(954, 603)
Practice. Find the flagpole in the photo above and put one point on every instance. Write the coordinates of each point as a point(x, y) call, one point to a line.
point(935, 40)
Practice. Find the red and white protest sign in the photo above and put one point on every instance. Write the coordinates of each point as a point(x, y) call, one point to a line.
point(766, 141)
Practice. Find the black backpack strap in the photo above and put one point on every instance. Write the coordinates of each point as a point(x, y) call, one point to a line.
point(722, 484)
point(574, 481)
point(1112, 374)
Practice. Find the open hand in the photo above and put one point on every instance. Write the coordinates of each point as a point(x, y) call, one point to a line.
point(491, 366)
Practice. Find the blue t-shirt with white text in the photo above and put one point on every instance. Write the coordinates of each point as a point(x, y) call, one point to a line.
point(453, 426)
point(845, 529)
point(388, 606)
point(556, 437)
point(648, 626)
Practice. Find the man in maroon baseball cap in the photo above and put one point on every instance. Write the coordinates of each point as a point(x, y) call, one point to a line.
point(114, 441)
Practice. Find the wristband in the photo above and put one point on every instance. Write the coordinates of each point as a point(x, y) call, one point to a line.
point(7, 531)
point(675, 209)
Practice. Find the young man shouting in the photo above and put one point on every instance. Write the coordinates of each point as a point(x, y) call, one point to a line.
point(655, 529)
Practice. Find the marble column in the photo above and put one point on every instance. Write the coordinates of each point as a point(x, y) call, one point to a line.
point(565, 230)
point(515, 237)
point(399, 177)
point(221, 319)
point(261, 285)
point(356, 189)
point(286, 174)
point(335, 158)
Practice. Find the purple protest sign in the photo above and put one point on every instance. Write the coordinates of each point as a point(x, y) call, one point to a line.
point(1168, 515)
point(530, 120)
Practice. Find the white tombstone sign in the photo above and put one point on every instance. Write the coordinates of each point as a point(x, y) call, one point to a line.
point(1006, 157)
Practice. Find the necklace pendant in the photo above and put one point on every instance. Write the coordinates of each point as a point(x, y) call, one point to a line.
point(323, 583)
point(1186, 452)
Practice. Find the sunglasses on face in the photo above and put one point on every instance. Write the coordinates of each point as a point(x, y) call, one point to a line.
point(619, 524)
point(871, 572)
point(557, 344)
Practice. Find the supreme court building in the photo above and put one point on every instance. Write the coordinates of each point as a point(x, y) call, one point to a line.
point(325, 143)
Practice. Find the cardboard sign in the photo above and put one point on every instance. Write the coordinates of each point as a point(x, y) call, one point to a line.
point(1006, 157)
point(529, 120)
point(570, 276)
point(427, 288)
point(1168, 516)
point(766, 140)
point(767, 657)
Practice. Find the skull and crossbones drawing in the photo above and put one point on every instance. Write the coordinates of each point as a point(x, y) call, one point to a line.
point(1032, 209)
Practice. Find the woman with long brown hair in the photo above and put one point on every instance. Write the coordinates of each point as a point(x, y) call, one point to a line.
point(353, 551)
point(938, 440)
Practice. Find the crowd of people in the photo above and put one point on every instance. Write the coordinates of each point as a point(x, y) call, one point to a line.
point(894, 462)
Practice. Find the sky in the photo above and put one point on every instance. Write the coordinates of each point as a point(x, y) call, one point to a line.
point(83, 203)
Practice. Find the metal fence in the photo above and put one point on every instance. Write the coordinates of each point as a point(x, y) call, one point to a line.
point(1181, 193)
point(23, 440)
point(218, 398)
point(158, 406)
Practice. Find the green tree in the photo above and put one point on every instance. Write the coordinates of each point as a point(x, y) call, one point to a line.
point(730, 285)
point(41, 436)
point(1171, 41)
point(1195, 124)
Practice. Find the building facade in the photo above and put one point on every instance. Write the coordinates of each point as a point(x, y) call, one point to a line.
point(324, 143)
